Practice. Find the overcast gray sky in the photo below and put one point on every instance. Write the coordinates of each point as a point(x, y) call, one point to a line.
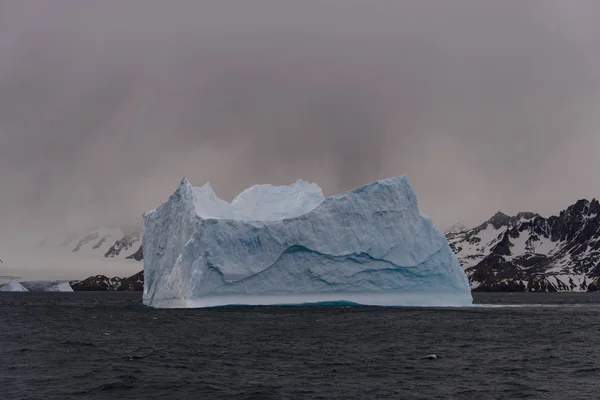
point(106, 104)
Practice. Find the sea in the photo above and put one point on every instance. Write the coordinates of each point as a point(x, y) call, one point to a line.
point(108, 345)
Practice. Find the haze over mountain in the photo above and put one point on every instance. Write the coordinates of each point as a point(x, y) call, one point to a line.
point(77, 255)
point(104, 106)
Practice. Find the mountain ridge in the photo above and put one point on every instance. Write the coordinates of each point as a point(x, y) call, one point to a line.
point(528, 252)
point(118, 242)
point(523, 252)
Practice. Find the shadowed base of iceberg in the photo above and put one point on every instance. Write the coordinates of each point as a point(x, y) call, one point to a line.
point(364, 299)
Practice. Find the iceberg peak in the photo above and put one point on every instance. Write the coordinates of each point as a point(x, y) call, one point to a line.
point(206, 190)
point(184, 181)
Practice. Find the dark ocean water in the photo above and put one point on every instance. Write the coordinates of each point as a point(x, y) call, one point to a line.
point(109, 346)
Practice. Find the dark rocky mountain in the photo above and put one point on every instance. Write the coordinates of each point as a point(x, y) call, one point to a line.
point(528, 252)
point(133, 283)
point(104, 283)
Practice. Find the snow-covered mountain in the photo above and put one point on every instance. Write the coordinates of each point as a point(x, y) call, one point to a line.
point(530, 252)
point(60, 256)
point(521, 252)
point(104, 242)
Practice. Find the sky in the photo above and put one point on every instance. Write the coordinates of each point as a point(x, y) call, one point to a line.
point(106, 104)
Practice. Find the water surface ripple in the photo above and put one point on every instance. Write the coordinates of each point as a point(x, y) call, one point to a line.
point(107, 345)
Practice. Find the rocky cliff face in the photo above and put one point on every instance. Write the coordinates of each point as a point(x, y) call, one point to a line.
point(528, 252)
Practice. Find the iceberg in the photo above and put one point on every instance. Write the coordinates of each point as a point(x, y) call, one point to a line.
point(47, 286)
point(290, 245)
point(60, 287)
point(13, 286)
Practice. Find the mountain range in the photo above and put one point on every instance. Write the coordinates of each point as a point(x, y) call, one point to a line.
point(60, 256)
point(528, 252)
point(106, 242)
point(524, 252)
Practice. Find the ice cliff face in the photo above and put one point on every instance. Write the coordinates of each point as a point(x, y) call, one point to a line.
point(275, 245)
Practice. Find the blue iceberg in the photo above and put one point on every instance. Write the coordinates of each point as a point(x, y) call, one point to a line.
point(290, 245)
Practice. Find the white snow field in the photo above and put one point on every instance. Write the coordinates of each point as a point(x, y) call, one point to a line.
point(290, 245)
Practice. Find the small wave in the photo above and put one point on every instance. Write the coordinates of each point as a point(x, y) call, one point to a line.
point(77, 343)
point(537, 305)
point(116, 385)
point(593, 370)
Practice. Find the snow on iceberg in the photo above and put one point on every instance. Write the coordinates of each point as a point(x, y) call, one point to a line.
point(13, 286)
point(290, 245)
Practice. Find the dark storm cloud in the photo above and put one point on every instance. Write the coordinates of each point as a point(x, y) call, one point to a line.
point(104, 105)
